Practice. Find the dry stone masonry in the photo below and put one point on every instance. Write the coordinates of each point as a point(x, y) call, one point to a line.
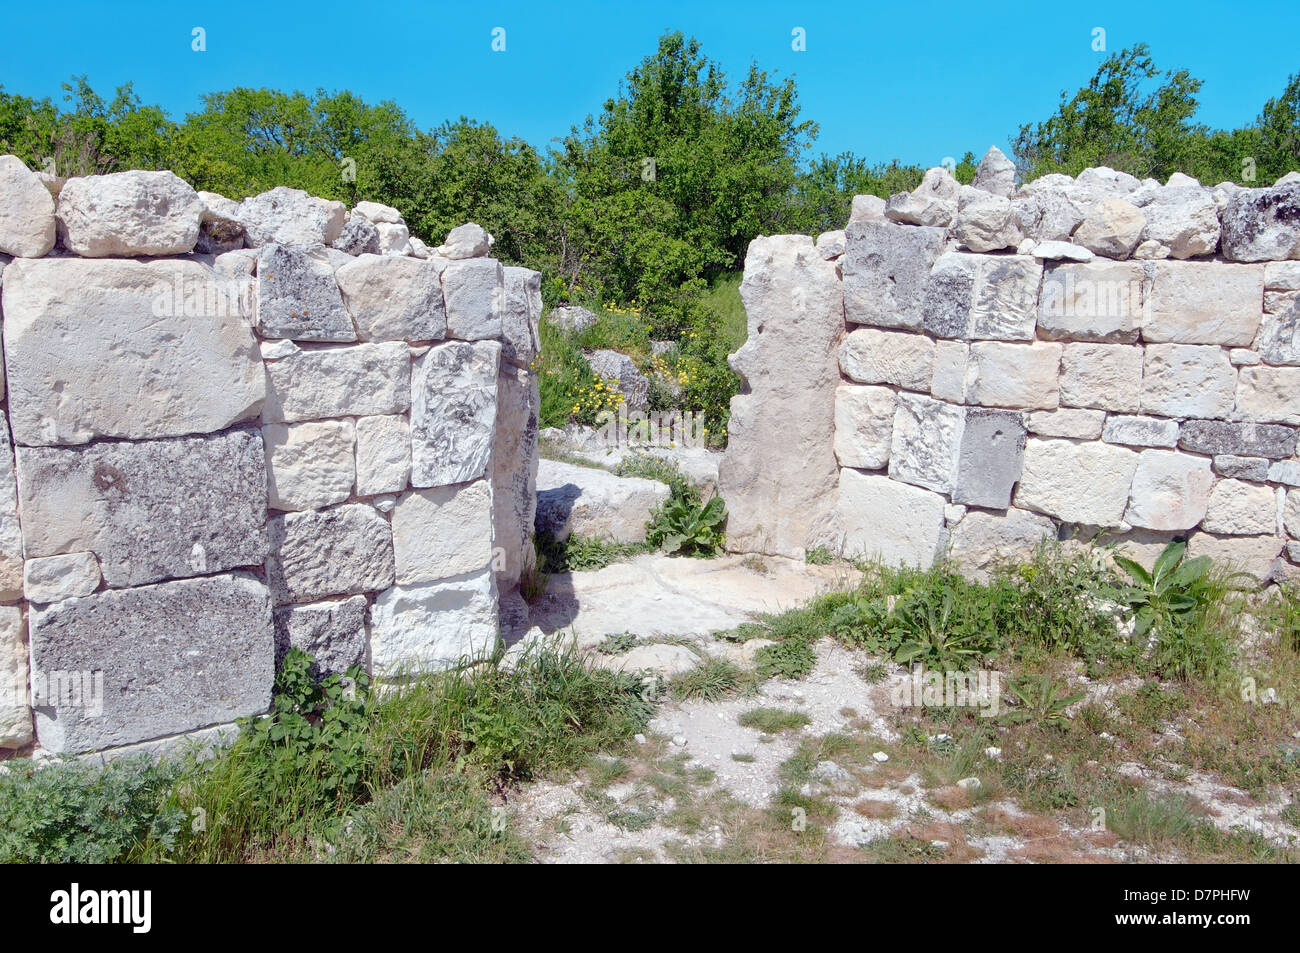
point(232, 428)
point(965, 370)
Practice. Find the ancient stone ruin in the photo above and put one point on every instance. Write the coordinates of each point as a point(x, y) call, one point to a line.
point(235, 427)
point(966, 370)
point(240, 427)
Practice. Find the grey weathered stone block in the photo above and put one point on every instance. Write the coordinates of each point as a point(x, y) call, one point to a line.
point(474, 290)
point(946, 301)
point(333, 633)
point(1241, 468)
point(1246, 439)
point(340, 551)
point(297, 296)
point(159, 509)
point(990, 458)
point(182, 655)
point(886, 266)
point(453, 412)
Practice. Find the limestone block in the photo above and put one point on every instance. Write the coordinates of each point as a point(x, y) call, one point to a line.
point(297, 296)
point(1084, 483)
point(27, 227)
point(11, 537)
point(779, 473)
point(1204, 302)
point(926, 436)
point(594, 504)
point(111, 349)
point(1067, 422)
point(1262, 224)
point(514, 473)
point(395, 298)
point(1014, 375)
point(125, 214)
point(1141, 431)
point(1241, 468)
point(287, 216)
point(886, 266)
point(521, 318)
point(333, 633)
point(1101, 301)
point(1102, 376)
point(1254, 555)
point(871, 356)
point(1270, 394)
point(1187, 380)
point(52, 578)
point(434, 625)
point(1171, 490)
point(880, 518)
point(442, 532)
point(351, 380)
point(990, 458)
point(474, 290)
point(1241, 509)
point(339, 551)
point(982, 540)
point(864, 425)
point(160, 509)
point(948, 380)
point(309, 465)
point(453, 412)
point(183, 655)
point(1242, 438)
point(15, 713)
point(383, 454)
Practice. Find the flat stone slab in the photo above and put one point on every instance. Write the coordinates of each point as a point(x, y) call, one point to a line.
point(660, 596)
point(184, 655)
point(593, 503)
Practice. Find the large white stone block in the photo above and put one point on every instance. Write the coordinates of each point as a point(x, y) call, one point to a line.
point(112, 349)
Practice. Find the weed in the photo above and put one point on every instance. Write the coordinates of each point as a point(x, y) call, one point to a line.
point(773, 720)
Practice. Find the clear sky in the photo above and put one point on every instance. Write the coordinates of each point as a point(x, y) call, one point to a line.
point(917, 81)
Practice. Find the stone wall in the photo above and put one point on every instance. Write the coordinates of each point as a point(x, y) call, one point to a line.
point(232, 428)
point(1070, 357)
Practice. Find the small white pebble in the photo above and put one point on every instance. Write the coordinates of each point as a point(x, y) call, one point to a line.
point(639, 738)
point(970, 784)
point(679, 741)
point(992, 752)
point(880, 756)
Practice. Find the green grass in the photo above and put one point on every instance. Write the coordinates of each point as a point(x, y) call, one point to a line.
point(712, 680)
point(579, 553)
point(723, 298)
point(400, 775)
point(773, 721)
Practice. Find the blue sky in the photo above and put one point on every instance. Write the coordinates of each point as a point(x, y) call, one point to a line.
point(919, 81)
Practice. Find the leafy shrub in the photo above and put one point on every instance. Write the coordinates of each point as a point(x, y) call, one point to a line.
point(1041, 702)
point(1182, 604)
point(77, 813)
point(793, 658)
point(692, 529)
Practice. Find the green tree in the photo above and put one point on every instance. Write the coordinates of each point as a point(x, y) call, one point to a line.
point(1119, 121)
